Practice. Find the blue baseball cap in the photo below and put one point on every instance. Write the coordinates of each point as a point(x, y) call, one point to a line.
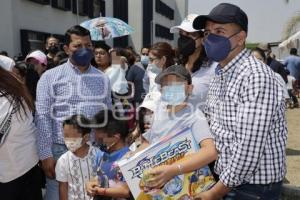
point(223, 13)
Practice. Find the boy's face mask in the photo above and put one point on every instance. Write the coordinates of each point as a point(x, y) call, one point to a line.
point(106, 143)
point(174, 94)
point(73, 144)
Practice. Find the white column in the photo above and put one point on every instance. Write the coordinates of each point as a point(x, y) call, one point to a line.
point(135, 19)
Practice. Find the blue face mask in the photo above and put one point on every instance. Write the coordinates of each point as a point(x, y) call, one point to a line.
point(154, 68)
point(145, 60)
point(173, 94)
point(217, 47)
point(82, 56)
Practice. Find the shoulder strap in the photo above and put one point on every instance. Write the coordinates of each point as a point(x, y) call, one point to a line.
point(5, 125)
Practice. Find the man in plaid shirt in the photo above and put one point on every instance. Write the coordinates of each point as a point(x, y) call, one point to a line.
point(246, 110)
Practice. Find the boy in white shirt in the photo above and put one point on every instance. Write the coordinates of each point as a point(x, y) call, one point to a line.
point(77, 166)
point(174, 113)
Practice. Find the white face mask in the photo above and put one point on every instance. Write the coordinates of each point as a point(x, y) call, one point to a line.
point(73, 143)
point(148, 118)
point(154, 68)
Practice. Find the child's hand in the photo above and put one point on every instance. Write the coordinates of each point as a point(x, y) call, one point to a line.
point(91, 188)
point(160, 176)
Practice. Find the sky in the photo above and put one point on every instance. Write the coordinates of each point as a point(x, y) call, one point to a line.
point(267, 18)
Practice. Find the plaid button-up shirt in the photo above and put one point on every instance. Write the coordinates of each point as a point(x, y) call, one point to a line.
point(246, 111)
point(62, 92)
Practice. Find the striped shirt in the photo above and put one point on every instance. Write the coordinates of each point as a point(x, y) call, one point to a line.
point(246, 111)
point(62, 92)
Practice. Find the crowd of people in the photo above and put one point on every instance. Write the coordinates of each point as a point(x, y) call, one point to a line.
point(68, 115)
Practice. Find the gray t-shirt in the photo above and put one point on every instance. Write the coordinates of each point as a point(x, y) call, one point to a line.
point(165, 122)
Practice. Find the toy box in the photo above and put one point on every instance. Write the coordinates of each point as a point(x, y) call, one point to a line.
point(173, 148)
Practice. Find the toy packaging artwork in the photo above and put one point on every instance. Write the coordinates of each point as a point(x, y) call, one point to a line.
point(173, 148)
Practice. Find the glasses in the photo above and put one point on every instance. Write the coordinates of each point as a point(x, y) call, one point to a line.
point(100, 53)
point(145, 54)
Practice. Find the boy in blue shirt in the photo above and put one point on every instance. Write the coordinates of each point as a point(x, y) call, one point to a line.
point(111, 132)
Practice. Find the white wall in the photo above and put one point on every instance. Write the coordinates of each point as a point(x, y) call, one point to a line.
point(6, 31)
point(135, 19)
point(24, 14)
point(109, 13)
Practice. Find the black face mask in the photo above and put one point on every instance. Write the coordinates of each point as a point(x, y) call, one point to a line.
point(101, 146)
point(186, 45)
point(53, 49)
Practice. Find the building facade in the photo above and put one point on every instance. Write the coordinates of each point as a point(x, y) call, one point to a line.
point(25, 24)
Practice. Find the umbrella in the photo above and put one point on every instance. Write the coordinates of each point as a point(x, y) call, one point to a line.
point(103, 28)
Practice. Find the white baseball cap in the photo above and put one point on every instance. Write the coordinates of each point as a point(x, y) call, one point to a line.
point(186, 25)
point(7, 63)
point(39, 56)
point(151, 101)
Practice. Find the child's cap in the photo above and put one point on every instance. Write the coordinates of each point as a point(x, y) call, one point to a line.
point(177, 70)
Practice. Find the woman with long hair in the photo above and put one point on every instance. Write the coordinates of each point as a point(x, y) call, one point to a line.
point(19, 173)
point(161, 56)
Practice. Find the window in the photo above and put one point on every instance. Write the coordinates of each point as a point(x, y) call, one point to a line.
point(97, 8)
point(32, 40)
point(61, 4)
point(120, 11)
point(163, 32)
point(45, 2)
point(82, 7)
point(147, 21)
point(164, 9)
point(90, 8)
point(102, 7)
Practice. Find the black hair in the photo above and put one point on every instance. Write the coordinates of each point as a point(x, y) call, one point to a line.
point(101, 45)
point(124, 52)
point(131, 55)
point(146, 47)
point(61, 55)
point(22, 68)
point(51, 36)
point(4, 53)
point(287, 72)
point(80, 122)
point(76, 30)
point(293, 51)
point(261, 52)
point(141, 122)
point(111, 124)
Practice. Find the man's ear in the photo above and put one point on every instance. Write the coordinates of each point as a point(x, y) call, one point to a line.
point(190, 89)
point(242, 38)
point(66, 49)
point(163, 60)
